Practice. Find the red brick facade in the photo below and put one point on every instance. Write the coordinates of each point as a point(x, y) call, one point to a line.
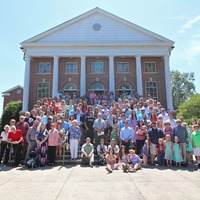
point(91, 78)
point(12, 95)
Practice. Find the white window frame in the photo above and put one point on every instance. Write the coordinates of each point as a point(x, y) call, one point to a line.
point(149, 92)
point(40, 71)
point(93, 63)
point(122, 72)
point(150, 71)
point(73, 71)
point(46, 94)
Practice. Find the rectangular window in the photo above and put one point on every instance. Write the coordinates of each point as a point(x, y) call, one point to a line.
point(123, 67)
point(44, 68)
point(150, 67)
point(43, 90)
point(152, 89)
point(71, 68)
point(97, 67)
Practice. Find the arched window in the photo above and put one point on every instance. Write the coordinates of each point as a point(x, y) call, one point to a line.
point(124, 86)
point(97, 86)
point(70, 86)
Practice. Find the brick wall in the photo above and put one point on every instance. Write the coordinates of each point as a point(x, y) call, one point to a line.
point(14, 96)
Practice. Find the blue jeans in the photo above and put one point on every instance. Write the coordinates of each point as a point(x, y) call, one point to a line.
point(161, 160)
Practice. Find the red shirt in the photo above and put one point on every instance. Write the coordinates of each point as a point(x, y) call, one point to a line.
point(160, 148)
point(15, 136)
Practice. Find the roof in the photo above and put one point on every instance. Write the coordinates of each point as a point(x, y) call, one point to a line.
point(13, 88)
point(34, 40)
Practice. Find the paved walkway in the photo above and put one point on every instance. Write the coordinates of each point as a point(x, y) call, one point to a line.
point(80, 183)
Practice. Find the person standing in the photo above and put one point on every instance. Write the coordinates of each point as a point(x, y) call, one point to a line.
point(182, 134)
point(24, 127)
point(99, 126)
point(16, 139)
point(89, 122)
point(154, 134)
point(30, 138)
point(74, 136)
point(4, 145)
point(126, 136)
point(53, 138)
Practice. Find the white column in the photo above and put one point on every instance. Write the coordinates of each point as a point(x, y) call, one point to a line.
point(55, 76)
point(26, 84)
point(111, 74)
point(83, 77)
point(139, 75)
point(168, 83)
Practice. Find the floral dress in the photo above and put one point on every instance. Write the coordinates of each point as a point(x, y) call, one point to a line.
point(42, 149)
point(102, 150)
point(168, 150)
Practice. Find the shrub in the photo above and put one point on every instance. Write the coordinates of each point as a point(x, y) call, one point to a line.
point(11, 111)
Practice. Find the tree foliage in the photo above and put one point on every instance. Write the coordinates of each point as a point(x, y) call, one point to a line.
point(191, 108)
point(11, 111)
point(182, 87)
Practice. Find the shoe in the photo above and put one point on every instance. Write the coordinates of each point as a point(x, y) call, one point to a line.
point(108, 170)
point(91, 165)
point(124, 168)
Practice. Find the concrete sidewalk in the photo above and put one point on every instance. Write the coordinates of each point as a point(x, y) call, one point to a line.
point(76, 182)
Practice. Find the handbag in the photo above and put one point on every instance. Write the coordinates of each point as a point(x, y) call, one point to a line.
point(67, 146)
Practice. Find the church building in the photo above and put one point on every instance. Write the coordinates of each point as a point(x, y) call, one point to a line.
point(97, 51)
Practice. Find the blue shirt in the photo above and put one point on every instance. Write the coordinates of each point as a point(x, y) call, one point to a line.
point(126, 133)
point(75, 132)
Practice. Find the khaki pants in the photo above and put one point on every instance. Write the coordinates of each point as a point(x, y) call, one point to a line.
point(183, 150)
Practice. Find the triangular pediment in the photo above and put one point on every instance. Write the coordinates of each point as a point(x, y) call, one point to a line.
point(97, 26)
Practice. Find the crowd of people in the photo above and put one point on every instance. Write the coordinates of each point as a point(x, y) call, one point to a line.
point(126, 133)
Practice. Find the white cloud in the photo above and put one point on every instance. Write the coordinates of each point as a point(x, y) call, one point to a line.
point(189, 24)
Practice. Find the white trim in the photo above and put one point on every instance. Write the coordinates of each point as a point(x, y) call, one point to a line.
point(5, 94)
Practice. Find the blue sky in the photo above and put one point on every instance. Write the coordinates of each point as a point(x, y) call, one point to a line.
point(177, 20)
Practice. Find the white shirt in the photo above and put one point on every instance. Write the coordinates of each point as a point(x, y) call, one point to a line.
point(4, 136)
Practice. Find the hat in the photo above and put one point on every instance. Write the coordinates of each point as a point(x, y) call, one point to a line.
point(167, 122)
point(178, 120)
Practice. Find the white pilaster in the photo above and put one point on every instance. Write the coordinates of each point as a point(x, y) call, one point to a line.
point(26, 84)
point(83, 77)
point(55, 76)
point(111, 74)
point(168, 83)
point(139, 75)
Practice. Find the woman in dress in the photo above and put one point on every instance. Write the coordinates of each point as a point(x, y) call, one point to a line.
point(61, 132)
point(41, 140)
point(102, 151)
point(123, 159)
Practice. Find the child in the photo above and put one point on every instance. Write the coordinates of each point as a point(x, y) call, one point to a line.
point(134, 160)
point(168, 150)
point(195, 136)
point(145, 151)
point(161, 151)
point(114, 134)
point(189, 148)
point(177, 152)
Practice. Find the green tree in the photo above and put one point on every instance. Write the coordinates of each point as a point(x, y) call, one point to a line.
point(11, 111)
point(182, 87)
point(190, 109)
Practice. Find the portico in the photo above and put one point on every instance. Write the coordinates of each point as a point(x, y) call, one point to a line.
point(142, 63)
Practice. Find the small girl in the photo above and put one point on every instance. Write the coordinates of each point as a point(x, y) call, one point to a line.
point(168, 150)
point(161, 151)
point(145, 151)
point(177, 152)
